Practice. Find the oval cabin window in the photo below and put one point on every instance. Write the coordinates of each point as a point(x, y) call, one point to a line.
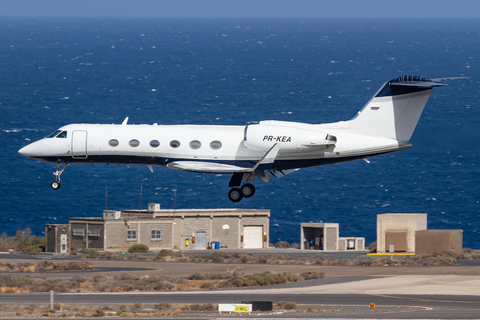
point(215, 145)
point(113, 142)
point(174, 143)
point(154, 143)
point(134, 143)
point(195, 144)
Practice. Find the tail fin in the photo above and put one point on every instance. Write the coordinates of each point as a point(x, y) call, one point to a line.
point(395, 109)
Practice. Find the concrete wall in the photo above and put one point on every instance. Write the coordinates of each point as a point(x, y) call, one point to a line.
point(399, 222)
point(227, 237)
point(430, 241)
point(116, 234)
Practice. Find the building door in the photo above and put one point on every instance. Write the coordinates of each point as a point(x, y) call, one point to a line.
point(79, 144)
point(253, 237)
point(200, 242)
point(63, 243)
point(397, 239)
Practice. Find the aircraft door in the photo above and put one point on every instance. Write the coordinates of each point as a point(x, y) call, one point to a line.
point(79, 144)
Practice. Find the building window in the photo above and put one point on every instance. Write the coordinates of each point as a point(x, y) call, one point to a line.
point(156, 234)
point(132, 235)
point(154, 143)
point(94, 233)
point(215, 145)
point(78, 232)
point(134, 143)
point(174, 143)
point(195, 144)
point(113, 142)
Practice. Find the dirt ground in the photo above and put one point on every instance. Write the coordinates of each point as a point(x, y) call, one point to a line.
point(185, 269)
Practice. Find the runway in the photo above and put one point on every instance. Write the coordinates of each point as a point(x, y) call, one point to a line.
point(441, 292)
point(331, 305)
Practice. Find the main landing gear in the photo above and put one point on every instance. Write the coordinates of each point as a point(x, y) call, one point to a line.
point(246, 191)
point(56, 184)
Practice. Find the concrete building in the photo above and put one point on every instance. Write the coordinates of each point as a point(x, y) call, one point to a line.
point(325, 236)
point(398, 229)
point(183, 229)
point(57, 238)
point(430, 241)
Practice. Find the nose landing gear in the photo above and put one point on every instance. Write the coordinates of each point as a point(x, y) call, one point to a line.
point(56, 184)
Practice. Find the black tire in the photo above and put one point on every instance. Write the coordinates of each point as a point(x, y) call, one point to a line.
point(235, 195)
point(248, 190)
point(55, 185)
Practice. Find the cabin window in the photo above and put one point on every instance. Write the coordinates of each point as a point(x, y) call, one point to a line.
point(154, 143)
point(113, 142)
point(54, 134)
point(156, 234)
point(195, 144)
point(132, 235)
point(215, 145)
point(62, 135)
point(174, 143)
point(134, 143)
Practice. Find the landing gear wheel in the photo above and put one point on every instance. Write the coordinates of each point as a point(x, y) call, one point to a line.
point(55, 185)
point(235, 195)
point(248, 190)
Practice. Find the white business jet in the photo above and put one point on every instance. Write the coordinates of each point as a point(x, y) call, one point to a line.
point(385, 124)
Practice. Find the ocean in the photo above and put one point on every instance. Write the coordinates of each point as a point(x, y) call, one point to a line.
point(56, 71)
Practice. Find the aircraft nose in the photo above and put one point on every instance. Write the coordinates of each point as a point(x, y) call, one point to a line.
point(30, 150)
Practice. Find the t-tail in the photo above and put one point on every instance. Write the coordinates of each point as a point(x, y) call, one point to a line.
point(395, 109)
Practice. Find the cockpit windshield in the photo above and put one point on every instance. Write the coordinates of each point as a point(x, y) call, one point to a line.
point(53, 135)
point(58, 134)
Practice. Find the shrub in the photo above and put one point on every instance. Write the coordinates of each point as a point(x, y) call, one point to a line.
point(287, 305)
point(99, 313)
point(313, 275)
point(372, 247)
point(295, 245)
point(196, 276)
point(244, 258)
point(162, 306)
point(136, 306)
point(138, 248)
point(282, 244)
point(164, 253)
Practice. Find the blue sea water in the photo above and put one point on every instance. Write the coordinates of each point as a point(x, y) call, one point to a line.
point(55, 71)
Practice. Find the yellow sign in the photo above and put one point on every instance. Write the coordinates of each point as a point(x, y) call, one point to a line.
point(241, 309)
point(372, 306)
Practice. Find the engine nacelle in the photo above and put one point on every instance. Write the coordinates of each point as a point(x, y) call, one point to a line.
point(262, 137)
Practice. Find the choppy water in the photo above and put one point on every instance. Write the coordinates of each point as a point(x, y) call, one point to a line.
point(238, 71)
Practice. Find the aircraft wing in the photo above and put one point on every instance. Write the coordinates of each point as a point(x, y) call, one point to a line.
point(214, 167)
point(210, 167)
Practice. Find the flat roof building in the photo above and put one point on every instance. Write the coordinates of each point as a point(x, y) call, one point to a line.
point(182, 229)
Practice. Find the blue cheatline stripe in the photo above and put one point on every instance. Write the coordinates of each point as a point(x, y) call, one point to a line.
point(277, 165)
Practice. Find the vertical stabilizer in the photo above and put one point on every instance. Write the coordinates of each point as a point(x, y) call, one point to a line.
point(395, 109)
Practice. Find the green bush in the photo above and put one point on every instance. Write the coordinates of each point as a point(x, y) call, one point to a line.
point(138, 248)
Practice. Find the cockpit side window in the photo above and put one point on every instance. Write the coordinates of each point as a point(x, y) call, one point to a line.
point(53, 135)
point(62, 135)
